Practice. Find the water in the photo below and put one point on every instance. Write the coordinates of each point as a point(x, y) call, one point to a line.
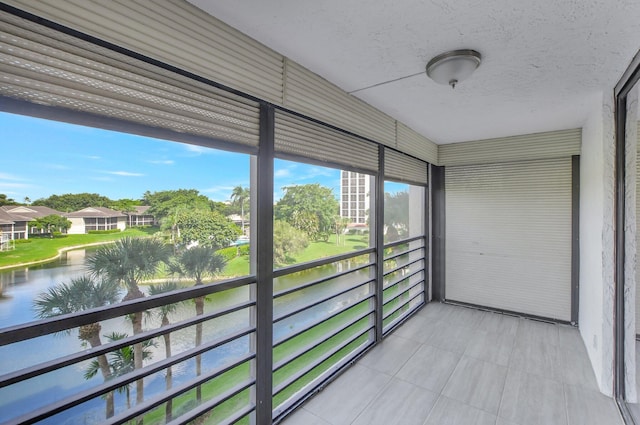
point(22, 286)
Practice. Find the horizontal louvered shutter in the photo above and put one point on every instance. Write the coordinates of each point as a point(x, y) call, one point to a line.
point(312, 95)
point(549, 145)
point(297, 137)
point(398, 166)
point(508, 236)
point(412, 143)
point(44, 66)
point(174, 32)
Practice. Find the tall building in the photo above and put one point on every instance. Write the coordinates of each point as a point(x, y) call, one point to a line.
point(354, 196)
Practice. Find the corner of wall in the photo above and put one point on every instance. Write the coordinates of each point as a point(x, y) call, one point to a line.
point(597, 188)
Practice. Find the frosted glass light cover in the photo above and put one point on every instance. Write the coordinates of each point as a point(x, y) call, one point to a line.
point(454, 66)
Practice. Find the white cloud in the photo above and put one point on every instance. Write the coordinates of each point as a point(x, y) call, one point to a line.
point(7, 176)
point(217, 189)
point(93, 157)
point(124, 173)
point(13, 185)
point(162, 162)
point(102, 179)
point(282, 172)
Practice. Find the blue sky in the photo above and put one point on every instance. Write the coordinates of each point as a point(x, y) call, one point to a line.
point(41, 158)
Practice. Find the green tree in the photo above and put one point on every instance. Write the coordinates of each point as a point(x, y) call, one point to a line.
point(207, 228)
point(239, 197)
point(121, 361)
point(51, 223)
point(197, 263)
point(163, 312)
point(73, 201)
point(287, 241)
point(4, 200)
point(128, 261)
point(79, 294)
point(165, 203)
point(308, 200)
point(125, 205)
point(396, 215)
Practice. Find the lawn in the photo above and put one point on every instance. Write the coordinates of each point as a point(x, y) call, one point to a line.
point(38, 249)
point(239, 266)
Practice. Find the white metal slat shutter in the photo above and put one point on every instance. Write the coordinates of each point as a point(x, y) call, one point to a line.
point(508, 236)
point(398, 166)
point(302, 138)
point(44, 66)
point(312, 95)
point(174, 32)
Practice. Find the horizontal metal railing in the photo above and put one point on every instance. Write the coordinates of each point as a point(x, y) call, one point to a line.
point(154, 402)
point(336, 331)
point(30, 330)
point(22, 332)
point(399, 292)
point(39, 369)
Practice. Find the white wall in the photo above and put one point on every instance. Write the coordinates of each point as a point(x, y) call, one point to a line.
point(596, 240)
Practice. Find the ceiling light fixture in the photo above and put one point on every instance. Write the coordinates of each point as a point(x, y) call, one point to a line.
point(454, 66)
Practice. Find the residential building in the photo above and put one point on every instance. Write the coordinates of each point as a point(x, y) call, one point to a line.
point(354, 196)
point(139, 217)
point(95, 218)
point(14, 219)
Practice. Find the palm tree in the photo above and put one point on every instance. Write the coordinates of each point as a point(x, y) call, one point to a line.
point(164, 313)
point(128, 261)
point(121, 361)
point(196, 263)
point(79, 294)
point(238, 197)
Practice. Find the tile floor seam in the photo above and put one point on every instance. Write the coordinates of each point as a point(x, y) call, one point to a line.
point(375, 395)
point(513, 346)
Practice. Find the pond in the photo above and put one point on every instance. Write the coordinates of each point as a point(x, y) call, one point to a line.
point(22, 286)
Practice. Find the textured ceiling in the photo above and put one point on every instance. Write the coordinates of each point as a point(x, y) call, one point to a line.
point(545, 63)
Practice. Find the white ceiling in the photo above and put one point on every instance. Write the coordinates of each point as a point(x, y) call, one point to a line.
point(545, 63)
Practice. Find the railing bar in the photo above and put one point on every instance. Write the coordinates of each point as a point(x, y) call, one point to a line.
point(37, 328)
point(401, 278)
point(400, 254)
point(396, 243)
point(399, 294)
point(321, 320)
point(318, 281)
point(205, 407)
point(402, 305)
point(175, 392)
point(112, 384)
point(320, 301)
point(401, 319)
point(299, 374)
point(321, 262)
point(45, 367)
point(316, 343)
point(409, 264)
point(239, 415)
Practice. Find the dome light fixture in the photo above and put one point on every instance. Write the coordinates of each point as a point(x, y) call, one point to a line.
point(454, 66)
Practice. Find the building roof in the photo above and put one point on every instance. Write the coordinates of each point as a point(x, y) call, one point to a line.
point(94, 212)
point(139, 210)
point(5, 218)
point(25, 212)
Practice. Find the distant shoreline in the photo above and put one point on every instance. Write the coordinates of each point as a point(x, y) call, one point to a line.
point(55, 257)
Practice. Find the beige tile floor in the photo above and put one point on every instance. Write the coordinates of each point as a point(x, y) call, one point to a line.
point(452, 365)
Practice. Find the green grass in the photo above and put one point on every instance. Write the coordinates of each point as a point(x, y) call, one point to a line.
point(38, 249)
point(239, 266)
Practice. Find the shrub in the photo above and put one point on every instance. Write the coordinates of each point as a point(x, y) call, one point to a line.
point(21, 241)
point(232, 252)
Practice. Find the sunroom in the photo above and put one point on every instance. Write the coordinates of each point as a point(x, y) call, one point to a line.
point(493, 276)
